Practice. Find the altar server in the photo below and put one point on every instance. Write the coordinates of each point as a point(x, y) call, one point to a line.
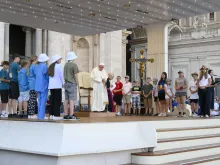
point(41, 85)
point(56, 81)
point(99, 77)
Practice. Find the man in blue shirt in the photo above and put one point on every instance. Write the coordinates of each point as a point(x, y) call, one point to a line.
point(13, 89)
point(4, 87)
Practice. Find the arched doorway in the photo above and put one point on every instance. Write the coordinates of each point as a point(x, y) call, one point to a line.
point(16, 40)
point(83, 55)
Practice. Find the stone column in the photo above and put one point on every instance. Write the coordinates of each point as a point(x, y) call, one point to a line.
point(157, 49)
point(125, 34)
point(2, 42)
point(6, 49)
point(38, 42)
point(44, 41)
point(28, 41)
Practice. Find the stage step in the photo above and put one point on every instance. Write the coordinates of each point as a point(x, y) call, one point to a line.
point(206, 160)
point(186, 132)
point(173, 143)
point(178, 154)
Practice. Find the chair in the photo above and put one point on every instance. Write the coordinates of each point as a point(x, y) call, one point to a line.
point(85, 89)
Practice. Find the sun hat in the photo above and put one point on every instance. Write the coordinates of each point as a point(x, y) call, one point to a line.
point(55, 58)
point(101, 64)
point(43, 58)
point(71, 56)
point(204, 67)
point(195, 73)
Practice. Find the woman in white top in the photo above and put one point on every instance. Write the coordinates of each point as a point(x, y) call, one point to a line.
point(194, 97)
point(204, 93)
point(169, 95)
point(56, 81)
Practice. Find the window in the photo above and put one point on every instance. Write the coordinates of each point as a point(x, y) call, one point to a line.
point(212, 16)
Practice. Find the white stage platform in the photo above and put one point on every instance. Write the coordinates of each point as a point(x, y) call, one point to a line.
point(73, 143)
point(92, 141)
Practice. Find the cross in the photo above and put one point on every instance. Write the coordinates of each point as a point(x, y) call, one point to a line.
point(142, 61)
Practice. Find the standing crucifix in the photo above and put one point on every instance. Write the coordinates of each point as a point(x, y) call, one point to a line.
point(142, 61)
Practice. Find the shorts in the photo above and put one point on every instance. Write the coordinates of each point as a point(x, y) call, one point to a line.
point(136, 102)
point(4, 96)
point(70, 91)
point(156, 99)
point(161, 96)
point(13, 90)
point(24, 96)
point(127, 99)
point(194, 101)
point(118, 99)
point(148, 102)
point(180, 94)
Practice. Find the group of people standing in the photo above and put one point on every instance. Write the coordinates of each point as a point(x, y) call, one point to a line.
point(29, 83)
point(201, 92)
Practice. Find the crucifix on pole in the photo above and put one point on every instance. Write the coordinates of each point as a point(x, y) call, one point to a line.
point(142, 61)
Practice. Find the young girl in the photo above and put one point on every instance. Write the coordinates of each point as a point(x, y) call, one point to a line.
point(194, 97)
point(56, 81)
point(41, 85)
point(32, 103)
point(161, 93)
point(181, 85)
point(169, 95)
point(24, 89)
point(204, 93)
point(155, 94)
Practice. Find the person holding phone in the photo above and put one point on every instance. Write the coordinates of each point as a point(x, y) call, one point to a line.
point(181, 85)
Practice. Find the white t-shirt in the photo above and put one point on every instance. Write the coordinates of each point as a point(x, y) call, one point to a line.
point(194, 87)
point(127, 87)
point(168, 90)
point(204, 81)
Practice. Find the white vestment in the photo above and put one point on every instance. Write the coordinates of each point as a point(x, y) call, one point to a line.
point(100, 97)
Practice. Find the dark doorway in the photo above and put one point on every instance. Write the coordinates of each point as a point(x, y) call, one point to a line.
point(16, 40)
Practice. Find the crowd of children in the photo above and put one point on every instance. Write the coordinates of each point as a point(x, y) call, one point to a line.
point(28, 84)
point(163, 94)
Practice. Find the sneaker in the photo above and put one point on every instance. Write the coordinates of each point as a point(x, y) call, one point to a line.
point(118, 114)
point(5, 115)
point(161, 114)
point(45, 118)
point(164, 114)
point(14, 115)
point(184, 114)
point(195, 115)
point(34, 116)
point(73, 117)
point(156, 114)
point(180, 114)
point(10, 115)
point(57, 118)
point(51, 117)
point(206, 116)
point(66, 117)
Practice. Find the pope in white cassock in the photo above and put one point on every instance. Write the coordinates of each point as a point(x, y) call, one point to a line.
point(100, 97)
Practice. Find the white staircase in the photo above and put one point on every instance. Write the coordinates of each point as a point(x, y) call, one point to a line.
point(184, 142)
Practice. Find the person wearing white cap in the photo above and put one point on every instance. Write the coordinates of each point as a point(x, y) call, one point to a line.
point(70, 86)
point(56, 81)
point(41, 85)
point(100, 97)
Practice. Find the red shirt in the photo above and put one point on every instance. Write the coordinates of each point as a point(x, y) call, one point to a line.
point(119, 85)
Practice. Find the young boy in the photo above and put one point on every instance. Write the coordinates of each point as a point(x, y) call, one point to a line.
point(127, 88)
point(136, 99)
point(24, 90)
point(155, 94)
point(147, 91)
point(117, 91)
point(4, 87)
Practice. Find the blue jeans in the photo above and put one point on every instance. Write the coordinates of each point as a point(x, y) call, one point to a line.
point(42, 100)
